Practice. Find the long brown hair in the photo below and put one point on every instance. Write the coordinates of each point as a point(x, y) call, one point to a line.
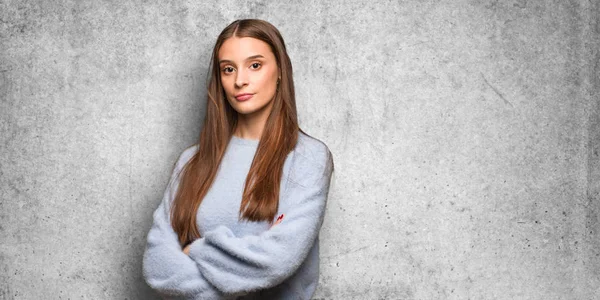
point(260, 198)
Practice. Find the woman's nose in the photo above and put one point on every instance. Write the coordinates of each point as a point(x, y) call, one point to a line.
point(241, 79)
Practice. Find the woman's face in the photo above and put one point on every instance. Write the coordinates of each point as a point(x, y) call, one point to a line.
point(248, 66)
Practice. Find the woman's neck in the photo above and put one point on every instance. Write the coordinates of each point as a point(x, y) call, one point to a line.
point(247, 133)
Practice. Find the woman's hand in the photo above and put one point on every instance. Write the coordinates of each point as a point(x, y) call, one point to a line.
point(279, 219)
point(186, 250)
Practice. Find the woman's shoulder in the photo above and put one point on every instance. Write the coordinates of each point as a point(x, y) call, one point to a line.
point(187, 154)
point(190, 150)
point(312, 149)
point(312, 159)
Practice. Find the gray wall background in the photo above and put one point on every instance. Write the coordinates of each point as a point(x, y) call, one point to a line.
point(465, 136)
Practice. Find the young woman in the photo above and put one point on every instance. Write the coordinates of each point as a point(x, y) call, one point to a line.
point(241, 214)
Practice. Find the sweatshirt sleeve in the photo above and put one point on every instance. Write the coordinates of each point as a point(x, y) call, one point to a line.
point(253, 262)
point(166, 269)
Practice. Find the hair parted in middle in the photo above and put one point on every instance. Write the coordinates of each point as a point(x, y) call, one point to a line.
point(260, 198)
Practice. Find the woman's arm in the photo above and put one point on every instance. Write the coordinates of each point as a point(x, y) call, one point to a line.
point(166, 268)
point(242, 264)
point(186, 249)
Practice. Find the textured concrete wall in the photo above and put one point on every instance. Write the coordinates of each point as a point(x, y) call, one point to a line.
point(465, 135)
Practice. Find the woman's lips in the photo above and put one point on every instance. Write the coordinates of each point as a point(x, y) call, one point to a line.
point(244, 97)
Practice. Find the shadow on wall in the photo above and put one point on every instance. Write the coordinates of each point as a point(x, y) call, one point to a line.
point(186, 120)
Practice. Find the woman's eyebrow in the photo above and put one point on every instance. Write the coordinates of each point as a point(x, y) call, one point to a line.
point(248, 58)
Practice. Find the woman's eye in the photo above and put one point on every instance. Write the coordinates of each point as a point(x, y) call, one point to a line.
point(256, 65)
point(228, 69)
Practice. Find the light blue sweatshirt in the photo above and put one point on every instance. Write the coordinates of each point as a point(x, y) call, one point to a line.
point(241, 259)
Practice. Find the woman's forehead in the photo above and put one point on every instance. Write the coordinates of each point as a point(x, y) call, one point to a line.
point(239, 49)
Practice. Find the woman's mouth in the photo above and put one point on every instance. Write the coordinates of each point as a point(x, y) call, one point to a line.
point(243, 97)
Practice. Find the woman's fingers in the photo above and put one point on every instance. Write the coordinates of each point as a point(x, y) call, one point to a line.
point(279, 219)
point(186, 250)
